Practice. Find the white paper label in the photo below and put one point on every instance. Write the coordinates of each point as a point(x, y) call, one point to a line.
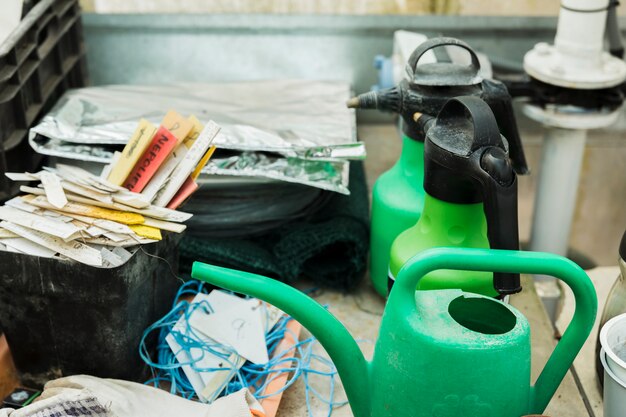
point(73, 250)
point(109, 259)
point(86, 192)
point(188, 164)
point(54, 191)
point(28, 247)
point(239, 328)
point(39, 223)
point(21, 176)
point(162, 175)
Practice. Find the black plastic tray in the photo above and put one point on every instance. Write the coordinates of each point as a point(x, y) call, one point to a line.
point(42, 58)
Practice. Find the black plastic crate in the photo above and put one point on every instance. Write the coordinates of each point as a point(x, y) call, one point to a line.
point(41, 59)
point(63, 318)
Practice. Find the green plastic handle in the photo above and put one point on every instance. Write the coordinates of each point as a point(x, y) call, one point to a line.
point(336, 339)
point(491, 260)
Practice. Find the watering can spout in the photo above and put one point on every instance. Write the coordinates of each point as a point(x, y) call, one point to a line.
point(351, 365)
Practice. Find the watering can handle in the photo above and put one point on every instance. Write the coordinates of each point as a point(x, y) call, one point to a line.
point(491, 260)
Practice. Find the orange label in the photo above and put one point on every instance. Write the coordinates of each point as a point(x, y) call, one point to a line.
point(162, 144)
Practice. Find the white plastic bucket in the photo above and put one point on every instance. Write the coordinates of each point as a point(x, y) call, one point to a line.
point(614, 391)
point(613, 341)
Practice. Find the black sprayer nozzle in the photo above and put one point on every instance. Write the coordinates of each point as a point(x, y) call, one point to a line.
point(385, 100)
point(429, 86)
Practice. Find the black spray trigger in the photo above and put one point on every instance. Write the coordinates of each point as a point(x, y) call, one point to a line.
point(468, 162)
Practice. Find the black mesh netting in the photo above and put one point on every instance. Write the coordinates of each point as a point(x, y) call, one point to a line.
point(329, 246)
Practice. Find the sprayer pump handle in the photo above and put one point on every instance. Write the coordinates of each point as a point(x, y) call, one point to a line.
point(443, 73)
point(497, 96)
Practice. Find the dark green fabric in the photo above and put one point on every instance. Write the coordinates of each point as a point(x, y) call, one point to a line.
point(329, 247)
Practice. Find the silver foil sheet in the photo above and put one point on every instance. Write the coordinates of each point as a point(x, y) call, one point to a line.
point(298, 131)
point(326, 175)
point(295, 118)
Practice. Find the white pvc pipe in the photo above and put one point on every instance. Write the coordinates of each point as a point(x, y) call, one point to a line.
point(580, 31)
point(555, 200)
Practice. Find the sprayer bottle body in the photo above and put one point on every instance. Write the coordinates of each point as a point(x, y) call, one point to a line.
point(397, 202)
point(470, 197)
point(466, 161)
point(450, 225)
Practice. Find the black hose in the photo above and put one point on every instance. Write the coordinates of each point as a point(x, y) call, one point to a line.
point(616, 45)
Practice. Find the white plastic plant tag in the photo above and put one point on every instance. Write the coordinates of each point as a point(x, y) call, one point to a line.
point(10, 249)
point(164, 225)
point(122, 253)
point(183, 357)
point(93, 180)
point(55, 215)
point(207, 384)
point(116, 237)
point(151, 211)
point(95, 231)
point(54, 191)
point(221, 300)
point(20, 204)
point(239, 327)
point(107, 225)
point(132, 241)
point(86, 192)
point(109, 259)
point(218, 380)
point(21, 176)
point(78, 181)
point(133, 200)
point(188, 164)
point(73, 250)
point(4, 234)
point(43, 224)
point(160, 178)
point(28, 247)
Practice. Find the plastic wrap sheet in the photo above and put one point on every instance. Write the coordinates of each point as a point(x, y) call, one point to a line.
point(326, 175)
point(296, 131)
point(296, 118)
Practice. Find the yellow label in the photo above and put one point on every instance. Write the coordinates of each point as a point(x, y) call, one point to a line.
point(195, 131)
point(138, 143)
point(177, 125)
point(205, 160)
point(146, 231)
point(89, 211)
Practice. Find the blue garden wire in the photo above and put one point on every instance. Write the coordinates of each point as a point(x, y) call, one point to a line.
point(166, 369)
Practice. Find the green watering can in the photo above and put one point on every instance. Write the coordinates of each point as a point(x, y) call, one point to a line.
point(440, 353)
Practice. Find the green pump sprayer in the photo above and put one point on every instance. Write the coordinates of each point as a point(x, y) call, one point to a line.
point(440, 352)
point(398, 195)
point(471, 196)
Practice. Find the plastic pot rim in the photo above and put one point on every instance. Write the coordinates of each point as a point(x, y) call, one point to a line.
point(605, 343)
point(608, 371)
